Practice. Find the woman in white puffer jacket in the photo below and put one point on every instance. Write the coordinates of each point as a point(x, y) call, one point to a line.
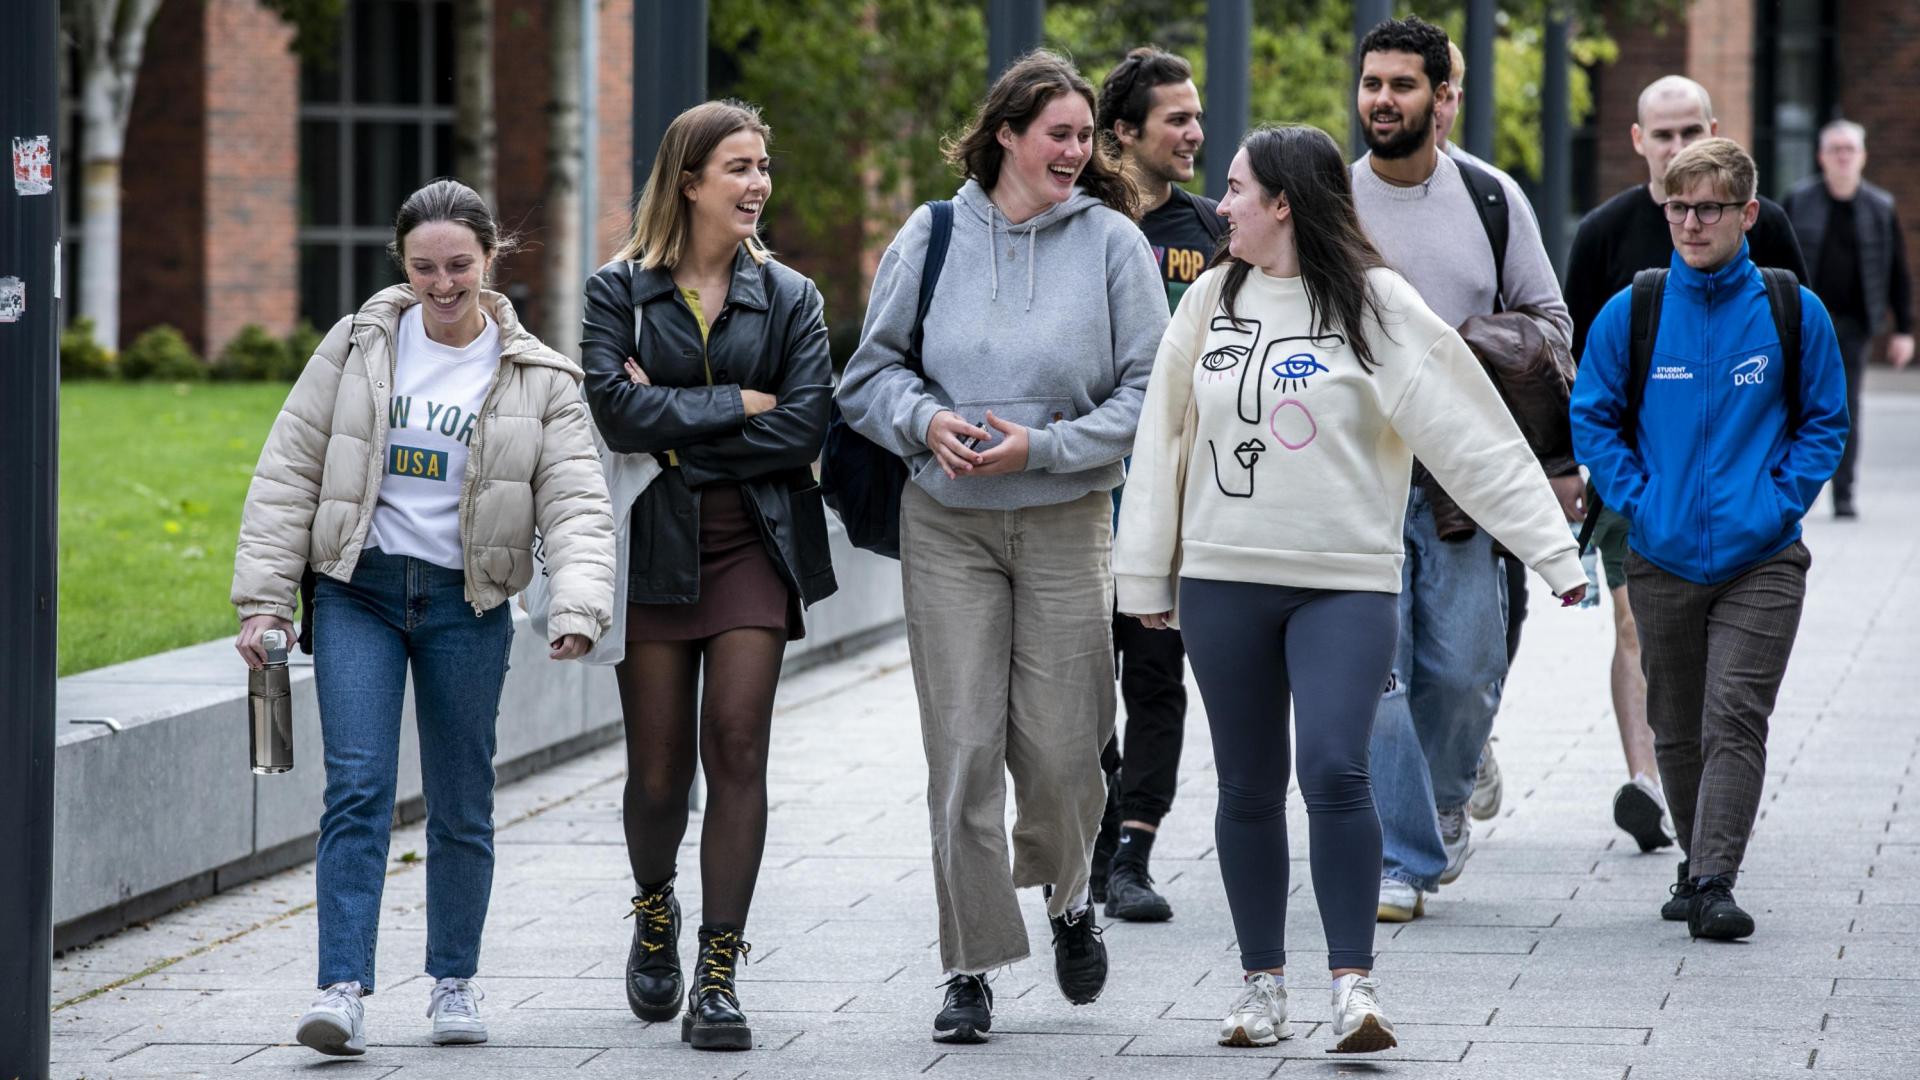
point(423, 444)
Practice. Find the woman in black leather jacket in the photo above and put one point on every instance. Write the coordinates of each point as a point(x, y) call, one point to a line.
point(704, 352)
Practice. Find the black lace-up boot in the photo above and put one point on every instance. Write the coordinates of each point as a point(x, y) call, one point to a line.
point(1680, 897)
point(714, 1020)
point(653, 963)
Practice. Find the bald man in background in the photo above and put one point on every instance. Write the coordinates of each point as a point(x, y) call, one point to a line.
point(1621, 237)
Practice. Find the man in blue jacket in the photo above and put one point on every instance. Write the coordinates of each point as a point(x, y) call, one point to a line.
point(1714, 474)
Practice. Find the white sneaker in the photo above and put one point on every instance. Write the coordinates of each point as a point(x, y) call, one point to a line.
point(1399, 901)
point(1456, 833)
point(1484, 803)
point(1359, 1027)
point(1259, 1015)
point(455, 1010)
point(335, 1023)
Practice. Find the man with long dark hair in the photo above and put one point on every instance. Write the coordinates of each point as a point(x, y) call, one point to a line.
point(1419, 206)
point(1150, 107)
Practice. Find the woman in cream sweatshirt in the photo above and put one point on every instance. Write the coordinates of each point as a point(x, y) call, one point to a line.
point(1292, 389)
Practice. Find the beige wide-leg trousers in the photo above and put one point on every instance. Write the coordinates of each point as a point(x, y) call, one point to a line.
point(1009, 625)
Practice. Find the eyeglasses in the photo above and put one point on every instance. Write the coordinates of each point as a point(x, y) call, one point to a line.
point(1707, 212)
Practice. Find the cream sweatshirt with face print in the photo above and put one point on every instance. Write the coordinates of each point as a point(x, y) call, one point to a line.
point(1267, 454)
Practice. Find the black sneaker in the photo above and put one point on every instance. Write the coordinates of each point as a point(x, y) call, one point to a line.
point(1130, 894)
point(653, 962)
point(1079, 956)
point(1714, 914)
point(1676, 908)
point(714, 1020)
point(967, 1015)
point(1843, 507)
point(1638, 812)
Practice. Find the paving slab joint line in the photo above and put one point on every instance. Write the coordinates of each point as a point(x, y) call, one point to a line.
point(402, 868)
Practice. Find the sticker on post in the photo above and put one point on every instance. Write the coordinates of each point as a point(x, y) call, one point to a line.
point(33, 165)
point(13, 299)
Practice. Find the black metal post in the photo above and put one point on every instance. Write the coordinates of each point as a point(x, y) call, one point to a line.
point(1014, 27)
point(1366, 15)
point(1556, 181)
point(1478, 106)
point(669, 72)
point(1229, 56)
point(29, 422)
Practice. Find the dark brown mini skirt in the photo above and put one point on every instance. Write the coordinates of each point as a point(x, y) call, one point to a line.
point(739, 585)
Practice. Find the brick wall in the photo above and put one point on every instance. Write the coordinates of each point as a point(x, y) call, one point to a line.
point(162, 215)
point(520, 95)
point(251, 191)
point(1879, 62)
point(1646, 53)
point(1720, 58)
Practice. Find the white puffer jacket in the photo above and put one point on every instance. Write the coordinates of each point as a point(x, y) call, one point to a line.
point(532, 462)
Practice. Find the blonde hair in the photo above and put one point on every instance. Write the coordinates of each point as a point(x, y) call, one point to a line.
point(1719, 161)
point(661, 215)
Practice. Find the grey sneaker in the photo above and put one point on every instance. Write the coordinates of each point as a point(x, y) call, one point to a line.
point(1359, 1027)
point(335, 1023)
point(1456, 835)
point(1484, 803)
point(455, 1011)
point(1400, 902)
point(1258, 1017)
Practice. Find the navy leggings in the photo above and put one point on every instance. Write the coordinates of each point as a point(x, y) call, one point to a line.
point(1250, 646)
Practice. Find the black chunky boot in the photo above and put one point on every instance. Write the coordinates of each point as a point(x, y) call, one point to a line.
point(653, 963)
point(714, 1020)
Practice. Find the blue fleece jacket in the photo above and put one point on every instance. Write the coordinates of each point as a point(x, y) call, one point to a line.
point(1718, 484)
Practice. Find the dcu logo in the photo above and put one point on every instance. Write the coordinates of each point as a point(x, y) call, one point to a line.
point(1750, 372)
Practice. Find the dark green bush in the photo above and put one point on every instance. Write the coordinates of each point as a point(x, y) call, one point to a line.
point(255, 355)
point(161, 354)
point(301, 345)
point(82, 357)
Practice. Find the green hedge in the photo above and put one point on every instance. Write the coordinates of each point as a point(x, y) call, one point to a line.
point(162, 354)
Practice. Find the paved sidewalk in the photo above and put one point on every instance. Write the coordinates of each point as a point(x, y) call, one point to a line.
point(1547, 959)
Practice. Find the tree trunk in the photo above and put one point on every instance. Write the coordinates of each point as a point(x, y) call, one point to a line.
point(562, 296)
point(473, 129)
point(111, 34)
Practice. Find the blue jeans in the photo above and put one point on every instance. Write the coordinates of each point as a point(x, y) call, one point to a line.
point(1439, 705)
point(399, 612)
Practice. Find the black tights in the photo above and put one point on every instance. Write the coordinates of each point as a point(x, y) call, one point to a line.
point(735, 719)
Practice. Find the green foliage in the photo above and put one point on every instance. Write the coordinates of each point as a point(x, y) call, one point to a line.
point(301, 345)
point(147, 535)
point(83, 357)
point(253, 355)
point(161, 354)
point(316, 26)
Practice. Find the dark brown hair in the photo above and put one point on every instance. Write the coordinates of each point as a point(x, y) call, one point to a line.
point(447, 199)
point(1127, 94)
point(1304, 164)
point(1018, 96)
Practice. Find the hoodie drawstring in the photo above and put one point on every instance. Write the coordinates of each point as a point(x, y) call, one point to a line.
point(993, 252)
point(1032, 251)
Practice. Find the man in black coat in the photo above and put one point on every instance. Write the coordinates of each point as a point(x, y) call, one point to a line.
point(1859, 262)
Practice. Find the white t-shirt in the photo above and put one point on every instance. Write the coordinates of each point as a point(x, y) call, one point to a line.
point(438, 392)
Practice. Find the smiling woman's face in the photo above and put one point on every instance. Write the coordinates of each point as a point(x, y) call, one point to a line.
point(447, 269)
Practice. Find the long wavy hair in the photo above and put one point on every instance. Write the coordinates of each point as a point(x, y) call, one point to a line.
point(1018, 96)
point(662, 216)
point(1304, 164)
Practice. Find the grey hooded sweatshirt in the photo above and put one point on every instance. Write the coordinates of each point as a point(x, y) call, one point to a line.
point(1053, 324)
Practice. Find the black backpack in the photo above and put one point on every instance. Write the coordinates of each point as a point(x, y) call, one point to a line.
point(1649, 292)
point(859, 479)
point(1490, 201)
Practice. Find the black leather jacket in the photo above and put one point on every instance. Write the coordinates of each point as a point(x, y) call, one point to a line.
point(770, 337)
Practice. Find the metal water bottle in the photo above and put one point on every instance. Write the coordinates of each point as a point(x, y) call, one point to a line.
point(270, 708)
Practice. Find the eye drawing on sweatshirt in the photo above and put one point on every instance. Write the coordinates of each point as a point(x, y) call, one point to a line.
point(1289, 374)
point(1247, 454)
point(1218, 363)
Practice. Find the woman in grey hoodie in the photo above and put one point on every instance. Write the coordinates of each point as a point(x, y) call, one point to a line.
point(1036, 351)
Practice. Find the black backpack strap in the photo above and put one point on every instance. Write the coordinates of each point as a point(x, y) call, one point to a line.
point(1783, 296)
point(1643, 321)
point(938, 238)
point(1210, 220)
point(1490, 200)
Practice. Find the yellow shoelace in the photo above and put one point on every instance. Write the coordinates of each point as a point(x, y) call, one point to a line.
point(659, 920)
point(720, 948)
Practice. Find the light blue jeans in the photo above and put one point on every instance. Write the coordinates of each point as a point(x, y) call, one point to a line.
point(397, 613)
point(1440, 702)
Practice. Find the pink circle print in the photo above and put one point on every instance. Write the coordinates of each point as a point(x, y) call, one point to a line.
point(1294, 431)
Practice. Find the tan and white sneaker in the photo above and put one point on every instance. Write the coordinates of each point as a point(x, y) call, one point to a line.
point(1359, 1027)
point(1258, 1016)
point(1399, 902)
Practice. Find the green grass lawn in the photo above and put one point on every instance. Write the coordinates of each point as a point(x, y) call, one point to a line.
point(151, 481)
